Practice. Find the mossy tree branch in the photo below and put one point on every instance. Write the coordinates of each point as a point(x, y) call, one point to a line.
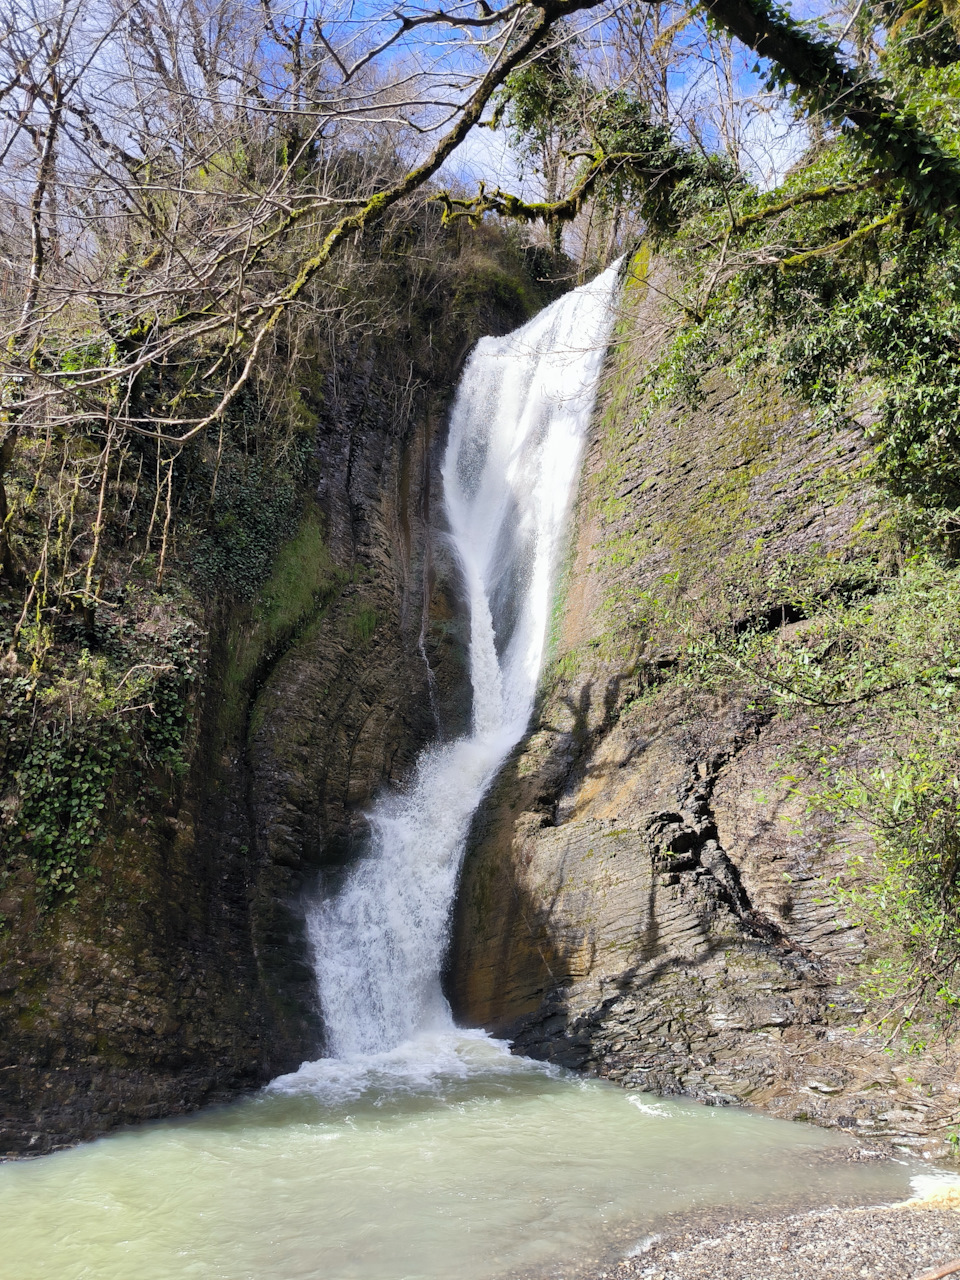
point(814, 196)
point(884, 132)
point(798, 259)
point(506, 205)
point(543, 17)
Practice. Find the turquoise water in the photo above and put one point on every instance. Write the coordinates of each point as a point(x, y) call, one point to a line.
point(444, 1158)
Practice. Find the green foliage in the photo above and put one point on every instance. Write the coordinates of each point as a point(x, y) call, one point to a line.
point(849, 318)
point(542, 98)
point(675, 377)
point(253, 510)
point(489, 286)
point(662, 180)
point(69, 738)
point(906, 892)
point(555, 114)
point(923, 35)
point(892, 321)
point(63, 779)
point(364, 624)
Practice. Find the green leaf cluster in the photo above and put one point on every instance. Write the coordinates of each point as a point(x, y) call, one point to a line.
point(73, 737)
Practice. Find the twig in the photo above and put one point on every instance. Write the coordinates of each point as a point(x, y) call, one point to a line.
point(146, 666)
point(947, 1269)
point(768, 679)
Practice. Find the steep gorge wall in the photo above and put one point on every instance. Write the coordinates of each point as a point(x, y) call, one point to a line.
point(645, 896)
point(180, 973)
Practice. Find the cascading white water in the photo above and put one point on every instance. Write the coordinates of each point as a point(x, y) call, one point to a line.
point(516, 438)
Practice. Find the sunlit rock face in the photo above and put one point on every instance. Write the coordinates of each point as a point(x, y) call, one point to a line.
point(644, 896)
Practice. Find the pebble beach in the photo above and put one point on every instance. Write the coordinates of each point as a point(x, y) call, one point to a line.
point(916, 1240)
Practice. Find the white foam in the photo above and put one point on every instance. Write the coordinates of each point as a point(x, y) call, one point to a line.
point(928, 1184)
point(427, 1064)
point(648, 1108)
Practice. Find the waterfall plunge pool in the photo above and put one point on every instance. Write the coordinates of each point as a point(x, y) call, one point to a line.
point(445, 1157)
point(417, 1151)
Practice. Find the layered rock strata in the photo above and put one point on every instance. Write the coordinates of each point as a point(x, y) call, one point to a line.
point(181, 974)
point(645, 896)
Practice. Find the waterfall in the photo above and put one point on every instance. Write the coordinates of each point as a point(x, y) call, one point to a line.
point(516, 437)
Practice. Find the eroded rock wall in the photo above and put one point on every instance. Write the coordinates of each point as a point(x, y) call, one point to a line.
point(180, 974)
point(645, 896)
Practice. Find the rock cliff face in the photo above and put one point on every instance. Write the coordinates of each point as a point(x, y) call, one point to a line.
point(644, 896)
point(181, 975)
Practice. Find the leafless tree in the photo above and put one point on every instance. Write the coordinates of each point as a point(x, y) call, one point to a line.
point(178, 184)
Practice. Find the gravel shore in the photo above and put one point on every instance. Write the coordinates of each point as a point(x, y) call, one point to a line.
point(918, 1239)
point(876, 1244)
point(910, 1241)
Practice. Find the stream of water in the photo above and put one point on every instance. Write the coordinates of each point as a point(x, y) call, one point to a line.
point(414, 1150)
point(443, 1159)
point(517, 430)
